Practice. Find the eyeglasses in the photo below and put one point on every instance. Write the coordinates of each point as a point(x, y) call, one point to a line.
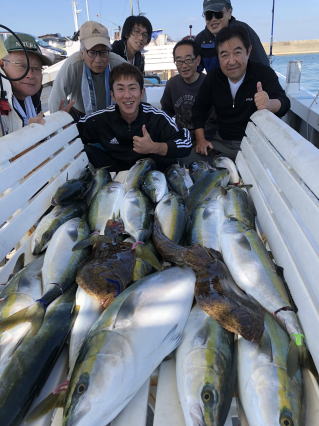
point(137, 33)
point(94, 53)
point(23, 67)
point(187, 61)
point(210, 15)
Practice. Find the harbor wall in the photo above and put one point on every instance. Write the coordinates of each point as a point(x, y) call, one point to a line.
point(293, 47)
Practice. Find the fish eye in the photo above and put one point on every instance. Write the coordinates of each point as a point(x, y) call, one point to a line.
point(286, 421)
point(208, 395)
point(81, 388)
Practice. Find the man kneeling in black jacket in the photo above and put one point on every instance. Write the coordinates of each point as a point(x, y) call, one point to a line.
point(237, 89)
point(123, 133)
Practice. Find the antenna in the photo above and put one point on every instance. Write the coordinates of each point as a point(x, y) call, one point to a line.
point(272, 29)
point(190, 30)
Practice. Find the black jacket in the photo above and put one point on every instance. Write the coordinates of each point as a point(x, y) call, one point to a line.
point(206, 40)
point(233, 115)
point(119, 47)
point(108, 139)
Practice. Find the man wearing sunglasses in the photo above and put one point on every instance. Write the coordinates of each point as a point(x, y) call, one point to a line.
point(83, 79)
point(218, 15)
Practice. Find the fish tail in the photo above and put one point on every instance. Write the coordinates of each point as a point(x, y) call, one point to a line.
point(33, 314)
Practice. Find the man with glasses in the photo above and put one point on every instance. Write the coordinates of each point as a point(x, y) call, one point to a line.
point(180, 91)
point(83, 80)
point(218, 15)
point(24, 93)
point(136, 34)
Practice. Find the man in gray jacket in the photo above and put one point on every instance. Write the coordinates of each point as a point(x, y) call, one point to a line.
point(83, 80)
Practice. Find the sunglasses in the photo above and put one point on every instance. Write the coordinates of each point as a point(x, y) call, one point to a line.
point(210, 14)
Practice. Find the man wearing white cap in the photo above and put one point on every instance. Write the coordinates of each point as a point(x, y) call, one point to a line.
point(83, 80)
point(218, 15)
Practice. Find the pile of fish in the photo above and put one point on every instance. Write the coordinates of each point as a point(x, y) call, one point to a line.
point(126, 270)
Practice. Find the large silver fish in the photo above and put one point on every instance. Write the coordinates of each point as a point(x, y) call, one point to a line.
point(226, 163)
point(101, 177)
point(50, 223)
point(170, 213)
point(155, 185)
point(142, 326)
point(203, 188)
point(179, 180)
point(60, 262)
point(137, 172)
point(198, 169)
point(20, 292)
point(205, 370)
point(136, 213)
point(31, 363)
point(238, 206)
point(255, 273)
point(267, 393)
point(105, 205)
point(207, 219)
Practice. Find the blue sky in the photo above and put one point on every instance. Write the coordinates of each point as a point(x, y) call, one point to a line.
point(292, 22)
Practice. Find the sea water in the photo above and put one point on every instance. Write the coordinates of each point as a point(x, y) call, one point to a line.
point(309, 69)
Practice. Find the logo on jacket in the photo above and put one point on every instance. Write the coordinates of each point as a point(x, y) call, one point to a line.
point(114, 141)
point(249, 99)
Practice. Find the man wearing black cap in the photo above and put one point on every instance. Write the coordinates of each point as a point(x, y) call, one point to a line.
point(218, 15)
point(24, 94)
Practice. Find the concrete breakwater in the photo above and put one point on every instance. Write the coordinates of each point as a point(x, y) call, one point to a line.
point(293, 47)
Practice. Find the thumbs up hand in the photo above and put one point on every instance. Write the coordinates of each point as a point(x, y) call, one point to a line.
point(143, 144)
point(261, 97)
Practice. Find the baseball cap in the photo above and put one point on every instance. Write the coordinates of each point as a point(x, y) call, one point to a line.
point(215, 5)
point(12, 45)
point(93, 33)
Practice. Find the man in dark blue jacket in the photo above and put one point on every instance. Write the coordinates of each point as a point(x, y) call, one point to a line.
point(236, 90)
point(218, 15)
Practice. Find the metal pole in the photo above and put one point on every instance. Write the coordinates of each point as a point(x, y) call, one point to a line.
point(138, 7)
point(75, 15)
point(272, 27)
point(87, 10)
point(131, 2)
point(190, 30)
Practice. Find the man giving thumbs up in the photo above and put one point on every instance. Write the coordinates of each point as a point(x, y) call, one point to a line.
point(235, 90)
point(123, 133)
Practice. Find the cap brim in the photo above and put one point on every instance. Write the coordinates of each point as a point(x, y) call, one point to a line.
point(94, 41)
point(214, 8)
point(44, 59)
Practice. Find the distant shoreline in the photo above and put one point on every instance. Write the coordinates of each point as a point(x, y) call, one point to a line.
point(293, 47)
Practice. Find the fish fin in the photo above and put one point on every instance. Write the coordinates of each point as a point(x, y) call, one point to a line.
point(266, 346)
point(145, 253)
point(127, 309)
point(82, 244)
point(244, 243)
point(293, 357)
point(33, 314)
point(52, 401)
point(73, 234)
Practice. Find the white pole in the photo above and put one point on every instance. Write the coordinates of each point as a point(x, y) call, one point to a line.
point(75, 15)
point(87, 10)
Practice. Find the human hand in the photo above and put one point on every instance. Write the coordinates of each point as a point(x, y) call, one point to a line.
point(143, 144)
point(261, 97)
point(38, 119)
point(66, 106)
point(202, 146)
